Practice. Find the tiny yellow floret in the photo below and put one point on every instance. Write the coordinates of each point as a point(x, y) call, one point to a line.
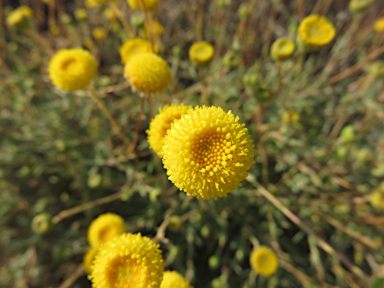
point(173, 279)
point(99, 33)
point(72, 69)
point(104, 228)
point(149, 4)
point(377, 197)
point(201, 52)
point(282, 49)
point(379, 25)
point(133, 47)
point(129, 260)
point(207, 152)
point(162, 122)
point(88, 259)
point(147, 73)
point(264, 261)
point(19, 16)
point(316, 30)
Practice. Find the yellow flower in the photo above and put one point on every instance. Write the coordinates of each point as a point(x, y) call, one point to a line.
point(207, 152)
point(81, 14)
point(135, 46)
point(104, 228)
point(156, 29)
point(290, 116)
point(88, 259)
point(129, 260)
point(149, 4)
point(172, 279)
point(18, 16)
point(99, 33)
point(282, 49)
point(264, 261)
point(72, 69)
point(201, 52)
point(359, 6)
point(147, 73)
point(162, 122)
point(379, 25)
point(316, 30)
point(377, 197)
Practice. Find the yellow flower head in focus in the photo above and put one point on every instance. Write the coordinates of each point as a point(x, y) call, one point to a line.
point(162, 122)
point(207, 152)
point(72, 69)
point(156, 29)
point(99, 33)
point(129, 260)
point(19, 16)
point(316, 30)
point(201, 52)
point(172, 279)
point(149, 4)
point(88, 259)
point(377, 197)
point(147, 73)
point(135, 46)
point(379, 25)
point(264, 261)
point(282, 49)
point(104, 228)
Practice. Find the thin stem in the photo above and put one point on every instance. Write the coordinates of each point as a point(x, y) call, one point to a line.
point(138, 125)
point(115, 126)
point(148, 24)
point(199, 20)
point(203, 86)
point(122, 19)
point(71, 280)
point(51, 6)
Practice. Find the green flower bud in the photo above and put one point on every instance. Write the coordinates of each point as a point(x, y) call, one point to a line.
point(231, 61)
point(213, 262)
point(347, 134)
point(174, 223)
point(376, 69)
point(94, 181)
point(243, 11)
point(359, 6)
point(42, 223)
point(137, 20)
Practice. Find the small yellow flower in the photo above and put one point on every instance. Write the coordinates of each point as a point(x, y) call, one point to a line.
point(72, 69)
point(201, 52)
point(173, 279)
point(156, 29)
point(88, 259)
point(207, 152)
point(147, 73)
point(129, 260)
point(109, 14)
point(359, 6)
point(135, 46)
point(81, 14)
point(377, 197)
point(290, 117)
point(19, 16)
point(149, 4)
point(264, 261)
point(282, 49)
point(162, 122)
point(99, 33)
point(379, 25)
point(104, 228)
point(316, 30)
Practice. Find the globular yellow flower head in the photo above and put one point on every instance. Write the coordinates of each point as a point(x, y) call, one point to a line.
point(282, 49)
point(207, 152)
point(147, 73)
point(264, 261)
point(162, 122)
point(129, 260)
point(156, 29)
point(104, 228)
point(316, 30)
point(149, 4)
point(81, 14)
point(201, 52)
point(377, 197)
point(18, 17)
point(172, 279)
point(99, 33)
point(379, 25)
point(88, 259)
point(135, 46)
point(72, 69)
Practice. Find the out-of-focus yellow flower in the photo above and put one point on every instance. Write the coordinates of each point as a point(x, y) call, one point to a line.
point(207, 152)
point(359, 6)
point(377, 197)
point(81, 14)
point(201, 53)
point(379, 25)
point(376, 69)
point(156, 29)
point(104, 228)
point(147, 73)
point(135, 46)
point(316, 30)
point(162, 122)
point(88, 43)
point(264, 261)
point(99, 33)
point(109, 14)
point(72, 69)
point(290, 117)
point(129, 260)
point(88, 259)
point(173, 279)
point(18, 17)
point(282, 49)
point(149, 4)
